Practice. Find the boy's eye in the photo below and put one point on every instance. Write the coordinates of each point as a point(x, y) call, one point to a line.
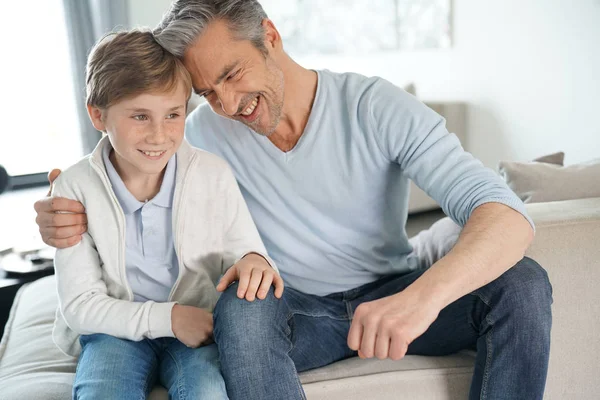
point(173, 115)
point(141, 117)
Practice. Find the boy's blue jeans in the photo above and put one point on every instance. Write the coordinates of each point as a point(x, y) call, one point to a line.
point(263, 344)
point(112, 368)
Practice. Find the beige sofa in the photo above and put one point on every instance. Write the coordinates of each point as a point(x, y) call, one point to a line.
point(566, 244)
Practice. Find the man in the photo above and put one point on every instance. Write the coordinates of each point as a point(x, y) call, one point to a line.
point(323, 161)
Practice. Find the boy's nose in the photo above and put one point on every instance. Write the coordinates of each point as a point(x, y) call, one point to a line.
point(157, 135)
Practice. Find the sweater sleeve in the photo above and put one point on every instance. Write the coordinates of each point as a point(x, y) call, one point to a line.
point(83, 299)
point(241, 235)
point(412, 135)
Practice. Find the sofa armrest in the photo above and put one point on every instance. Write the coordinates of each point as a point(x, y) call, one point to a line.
point(567, 246)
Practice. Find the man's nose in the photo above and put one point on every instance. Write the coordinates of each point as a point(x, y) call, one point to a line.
point(228, 101)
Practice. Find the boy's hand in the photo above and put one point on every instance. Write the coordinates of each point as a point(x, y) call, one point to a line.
point(255, 277)
point(192, 326)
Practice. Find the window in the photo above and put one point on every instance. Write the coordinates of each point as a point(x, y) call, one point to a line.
point(40, 128)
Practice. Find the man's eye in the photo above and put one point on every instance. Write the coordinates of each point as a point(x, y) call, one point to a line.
point(141, 117)
point(236, 73)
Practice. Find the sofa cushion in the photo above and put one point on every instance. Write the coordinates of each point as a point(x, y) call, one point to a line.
point(538, 182)
point(32, 367)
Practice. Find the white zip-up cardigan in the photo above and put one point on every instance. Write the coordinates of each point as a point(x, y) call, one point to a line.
point(212, 230)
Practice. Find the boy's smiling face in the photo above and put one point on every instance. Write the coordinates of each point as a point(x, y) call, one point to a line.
point(144, 130)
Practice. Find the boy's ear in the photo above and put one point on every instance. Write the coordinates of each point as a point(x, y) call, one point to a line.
point(97, 117)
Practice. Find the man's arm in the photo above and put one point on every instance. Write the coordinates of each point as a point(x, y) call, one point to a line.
point(62, 221)
point(493, 240)
point(496, 229)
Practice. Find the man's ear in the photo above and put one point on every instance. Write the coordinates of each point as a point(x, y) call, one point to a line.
point(97, 117)
point(272, 36)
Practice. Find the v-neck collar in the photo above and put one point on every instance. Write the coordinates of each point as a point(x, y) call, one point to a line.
point(308, 133)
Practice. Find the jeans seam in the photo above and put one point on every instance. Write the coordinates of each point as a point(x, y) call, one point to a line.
point(488, 361)
point(319, 315)
point(288, 330)
point(349, 311)
point(180, 387)
point(489, 350)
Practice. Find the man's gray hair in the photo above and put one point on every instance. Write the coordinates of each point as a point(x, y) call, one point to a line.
point(186, 20)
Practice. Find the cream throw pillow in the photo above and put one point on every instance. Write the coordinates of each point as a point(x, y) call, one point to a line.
point(538, 182)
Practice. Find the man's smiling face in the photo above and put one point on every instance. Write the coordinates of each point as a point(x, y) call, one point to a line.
point(238, 80)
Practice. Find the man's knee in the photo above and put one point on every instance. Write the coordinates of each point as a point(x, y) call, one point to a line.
point(529, 277)
point(526, 290)
point(240, 318)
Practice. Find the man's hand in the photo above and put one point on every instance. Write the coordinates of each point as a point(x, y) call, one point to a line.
point(61, 221)
point(385, 327)
point(255, 277)
point(192, 326)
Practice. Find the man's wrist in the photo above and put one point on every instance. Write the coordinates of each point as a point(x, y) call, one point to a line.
point(429, 291)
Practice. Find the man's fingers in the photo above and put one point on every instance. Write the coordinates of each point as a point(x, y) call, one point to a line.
point(367, 345)
point(382, 346)
point(265, 285)
point(255, 280)
point(60, 220)
point(63, 232)
point(63, 243)
point(355, 334)
point(278, 283)
point(53, 204)
point(227, 278)
point(66, 205)
point(52, 175)
point(398, 349)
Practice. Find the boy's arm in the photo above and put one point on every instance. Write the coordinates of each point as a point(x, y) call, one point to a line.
point(83, 298)
point(245, 258)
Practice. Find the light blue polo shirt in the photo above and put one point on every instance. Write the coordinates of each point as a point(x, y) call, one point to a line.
point(150, 259)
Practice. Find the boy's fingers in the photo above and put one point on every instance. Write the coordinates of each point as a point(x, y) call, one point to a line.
point(265, 285)
point(255, 280)
point(243, 283)
point(278, 283)
point(226, 279)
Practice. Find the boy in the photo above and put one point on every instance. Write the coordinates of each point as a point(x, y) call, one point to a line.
point(165, 220)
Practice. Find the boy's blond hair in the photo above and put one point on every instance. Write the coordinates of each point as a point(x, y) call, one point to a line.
point(128, 63)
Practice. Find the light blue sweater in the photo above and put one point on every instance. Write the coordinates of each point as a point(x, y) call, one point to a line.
point(332, 211)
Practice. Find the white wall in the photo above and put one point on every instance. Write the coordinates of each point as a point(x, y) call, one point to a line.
point(529, 70)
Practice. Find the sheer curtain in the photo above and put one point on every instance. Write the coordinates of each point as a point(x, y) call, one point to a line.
point(87, 21)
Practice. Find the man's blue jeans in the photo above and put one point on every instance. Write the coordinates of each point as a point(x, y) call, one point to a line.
point(263, 344)
point(112, 368)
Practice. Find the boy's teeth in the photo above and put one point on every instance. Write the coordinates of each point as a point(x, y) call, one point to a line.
point(251, 107)
point(153, 153)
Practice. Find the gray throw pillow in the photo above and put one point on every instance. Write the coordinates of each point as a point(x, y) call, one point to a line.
point(555, 158)
point(538, 182)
